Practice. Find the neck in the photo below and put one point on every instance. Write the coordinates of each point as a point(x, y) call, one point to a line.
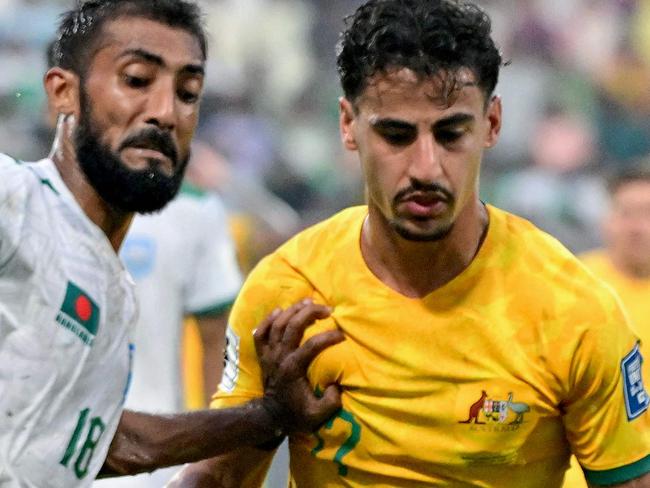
point(415, 269)
point(113, 223)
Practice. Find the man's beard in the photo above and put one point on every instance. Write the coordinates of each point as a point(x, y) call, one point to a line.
point(122, 188)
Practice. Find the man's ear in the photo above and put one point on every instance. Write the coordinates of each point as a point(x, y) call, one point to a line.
point(347, 124)
point(62, 88)
point(494, 115)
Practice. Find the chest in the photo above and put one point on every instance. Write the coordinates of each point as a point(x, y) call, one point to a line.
point(438, 385)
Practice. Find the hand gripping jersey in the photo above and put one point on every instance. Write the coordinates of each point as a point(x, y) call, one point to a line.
point(66, 311)
point(490, 380)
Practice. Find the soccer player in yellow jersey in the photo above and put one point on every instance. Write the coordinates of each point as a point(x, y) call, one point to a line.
point(624, 262)
point(478, 351)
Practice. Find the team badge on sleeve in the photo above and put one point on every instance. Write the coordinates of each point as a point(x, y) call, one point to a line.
point(231, 361)
point(636, 398)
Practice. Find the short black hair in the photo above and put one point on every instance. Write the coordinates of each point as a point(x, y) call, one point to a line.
point(629, 173)
point(80, 29)
point(428, 37)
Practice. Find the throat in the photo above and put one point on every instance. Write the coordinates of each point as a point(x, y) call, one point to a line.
point(416, 269)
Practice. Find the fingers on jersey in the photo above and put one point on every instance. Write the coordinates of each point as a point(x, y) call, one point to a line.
point(305, 316)
point(325, 407)
point(306, 353)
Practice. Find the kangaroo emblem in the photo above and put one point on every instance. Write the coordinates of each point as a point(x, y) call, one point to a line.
point(475, 410)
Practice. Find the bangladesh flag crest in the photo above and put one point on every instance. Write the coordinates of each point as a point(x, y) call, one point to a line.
point(79, 314)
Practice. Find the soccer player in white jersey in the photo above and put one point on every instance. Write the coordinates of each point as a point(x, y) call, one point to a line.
point(183, 262)
point(126, 86)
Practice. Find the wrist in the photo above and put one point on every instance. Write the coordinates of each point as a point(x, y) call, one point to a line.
point(277, 415)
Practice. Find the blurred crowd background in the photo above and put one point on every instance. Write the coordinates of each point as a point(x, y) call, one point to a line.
point(576, 96)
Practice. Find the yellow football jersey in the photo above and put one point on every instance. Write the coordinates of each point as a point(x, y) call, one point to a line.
point(489, 381)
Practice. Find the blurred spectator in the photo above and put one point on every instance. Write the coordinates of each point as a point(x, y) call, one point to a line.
point(558, 192)
point(624, 262)
point(259, 220)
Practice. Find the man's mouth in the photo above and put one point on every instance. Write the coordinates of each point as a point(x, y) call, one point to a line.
point(424, 205)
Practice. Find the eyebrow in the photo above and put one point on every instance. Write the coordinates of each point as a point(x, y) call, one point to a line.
point(384, 124)
point(455, 119)
point(452, 120)
point(195, 69)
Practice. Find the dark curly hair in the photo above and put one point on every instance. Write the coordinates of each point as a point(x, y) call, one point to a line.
point(80, 30)
point(429, 37)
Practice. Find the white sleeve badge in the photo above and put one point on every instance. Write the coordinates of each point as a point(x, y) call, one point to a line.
point(231, 361)
point(636, 398)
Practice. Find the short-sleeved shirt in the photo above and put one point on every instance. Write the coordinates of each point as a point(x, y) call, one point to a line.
point(67, 308)
point(183, 262)
point(490, 380)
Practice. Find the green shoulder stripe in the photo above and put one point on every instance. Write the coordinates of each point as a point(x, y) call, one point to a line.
point(619, 475)
point(214, 310)
point(192, 190)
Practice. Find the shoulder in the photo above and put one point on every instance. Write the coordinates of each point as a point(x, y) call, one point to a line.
point(12, 171)
point(302, 267)
point(534, 259)
point(194, 203)
point(325, 241)
point(17, 180)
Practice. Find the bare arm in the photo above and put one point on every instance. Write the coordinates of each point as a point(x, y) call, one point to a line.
point(642, 482)
point(245, 467)
point(146, 442)
point(213, 331)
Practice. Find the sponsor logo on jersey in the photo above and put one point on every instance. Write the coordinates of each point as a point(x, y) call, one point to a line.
point(636, 398)
point(486, 410)
point(231, 362)
point(79, 314)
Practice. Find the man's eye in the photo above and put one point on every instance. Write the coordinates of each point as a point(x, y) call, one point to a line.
point(449, 136)
point(188, 96)
point(135, 81)
point(398, 137)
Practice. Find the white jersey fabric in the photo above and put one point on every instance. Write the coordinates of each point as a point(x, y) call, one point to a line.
point(67, 308)
point(184, 263)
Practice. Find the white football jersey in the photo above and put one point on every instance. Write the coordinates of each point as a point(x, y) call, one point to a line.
point(67, 309)
point(183, 262)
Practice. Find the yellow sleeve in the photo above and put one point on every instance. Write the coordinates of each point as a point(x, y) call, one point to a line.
point(606, 410)
point(273, 283)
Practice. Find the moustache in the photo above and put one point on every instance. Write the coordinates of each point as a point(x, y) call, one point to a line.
point(424, 189)
point(152, 139)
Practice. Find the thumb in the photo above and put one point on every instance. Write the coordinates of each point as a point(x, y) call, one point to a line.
point(329, 404)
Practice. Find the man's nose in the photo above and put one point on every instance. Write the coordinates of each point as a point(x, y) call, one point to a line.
point(161, 108)
point(425, 160)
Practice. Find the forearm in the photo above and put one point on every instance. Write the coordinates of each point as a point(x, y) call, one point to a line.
point(145, 442)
